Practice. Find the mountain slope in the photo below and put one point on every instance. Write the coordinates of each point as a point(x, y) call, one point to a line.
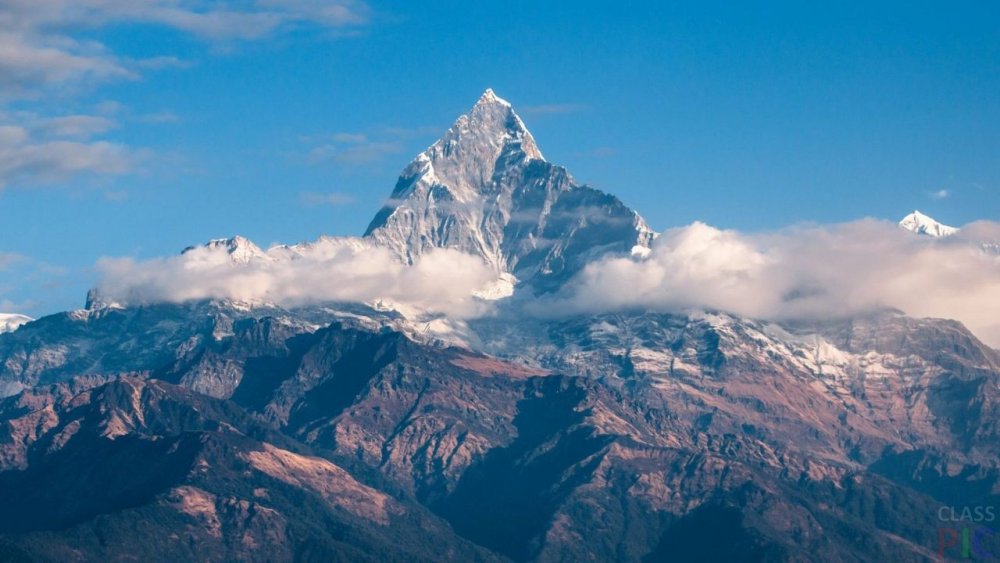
point(110, 471)
point(624, 431)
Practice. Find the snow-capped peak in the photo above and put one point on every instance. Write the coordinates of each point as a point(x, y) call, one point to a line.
point(921, 224)
point(490, 97)
point(240, 249)
point(442, 194)
point(491, 127)
point(484, 188)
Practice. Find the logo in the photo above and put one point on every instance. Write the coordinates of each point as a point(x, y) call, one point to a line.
point(977, 514)
point(968, 535)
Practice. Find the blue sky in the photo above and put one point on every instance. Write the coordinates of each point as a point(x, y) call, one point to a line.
point(136, 128)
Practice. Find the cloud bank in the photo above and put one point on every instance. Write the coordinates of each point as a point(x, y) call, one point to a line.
point(331, 270)
point(817, 272)
point(801, 273)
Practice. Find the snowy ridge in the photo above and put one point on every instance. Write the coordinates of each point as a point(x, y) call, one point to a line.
point(240, 249)
point(921, 224)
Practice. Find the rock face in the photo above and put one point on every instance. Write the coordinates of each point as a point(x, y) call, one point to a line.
point(485, 188)
point(227, 431)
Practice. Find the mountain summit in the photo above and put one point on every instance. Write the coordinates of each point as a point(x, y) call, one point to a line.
point(486, 189)
point(921, 224)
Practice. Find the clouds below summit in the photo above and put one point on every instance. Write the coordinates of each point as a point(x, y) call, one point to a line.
point(802, 273)
point(816, 272)
point(441, 281)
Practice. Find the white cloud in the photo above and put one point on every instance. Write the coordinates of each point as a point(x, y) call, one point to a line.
point(600, 152)
point(797, 273)
point(313, 199)
point(158, 117)
point(816, 272)
point(40, 44)
point(351, 138)
point(30, 61)
point(25, 160)
point(156, 63)
point(7, 259)
point(940, 194)
point(46, 46)
point(22, 277)
point(356, 149)
point(441, 281)
point(553, 109)
point(353, 152)
point(80, 126)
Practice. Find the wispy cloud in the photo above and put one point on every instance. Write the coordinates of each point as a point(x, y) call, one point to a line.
point(48, 46)
point(78, 126)
point(158, 117)
point(353, 153)
point(30, 61)
point(316, 199)
point(156, 63)
point(7, 259)
point(940, 194)
point(25, 275)
point(353, 149)
point(42, 43)
point(361, 148)
point(599, 152)
point(411, 132)
point(549, 109)
point(38, 150)
point(28, 160)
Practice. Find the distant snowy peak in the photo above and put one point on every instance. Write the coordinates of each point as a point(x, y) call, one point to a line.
point(921, 224)
point(321, 248)
point(484, 188)
point(240, 249)
point(9, 322)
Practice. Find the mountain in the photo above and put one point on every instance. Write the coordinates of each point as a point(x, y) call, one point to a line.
point(921, 224)
point(485, 188)
point(611, 437)
point(93, 470)
point(219, 430)
point(10, 321)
